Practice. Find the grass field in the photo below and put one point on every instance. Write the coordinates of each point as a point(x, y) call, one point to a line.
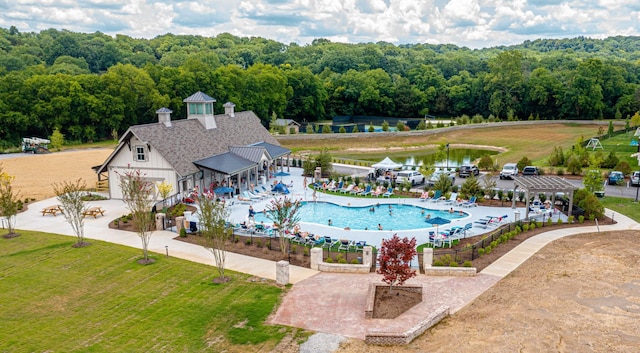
point(56, 298)
point(533, 141)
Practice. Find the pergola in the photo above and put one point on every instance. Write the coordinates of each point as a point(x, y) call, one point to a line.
point(543, 184)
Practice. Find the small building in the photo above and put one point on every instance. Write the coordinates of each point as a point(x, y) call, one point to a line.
point(289, 126)
point(199, 153)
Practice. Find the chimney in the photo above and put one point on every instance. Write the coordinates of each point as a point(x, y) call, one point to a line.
point(164, 116)
point(228, 109)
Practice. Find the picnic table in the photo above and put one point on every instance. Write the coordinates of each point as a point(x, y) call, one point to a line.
point(94, 211)
point(52, 210)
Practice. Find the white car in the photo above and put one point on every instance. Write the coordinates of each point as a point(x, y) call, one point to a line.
point(412, 176)
point(436, 176)
point(509, 171)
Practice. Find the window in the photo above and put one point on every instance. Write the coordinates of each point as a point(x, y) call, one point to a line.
point(208, 108)
point(140, 154)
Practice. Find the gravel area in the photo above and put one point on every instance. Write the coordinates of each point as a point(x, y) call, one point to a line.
point(322, 343)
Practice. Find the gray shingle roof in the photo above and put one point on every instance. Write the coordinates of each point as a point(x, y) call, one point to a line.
point(186, 140)
point(164, 110)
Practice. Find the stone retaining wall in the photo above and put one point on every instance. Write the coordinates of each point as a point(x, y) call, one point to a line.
point(318, 264)
point(442, 270)
point(395, 338)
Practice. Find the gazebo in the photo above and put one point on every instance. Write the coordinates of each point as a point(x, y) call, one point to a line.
point(543, 184)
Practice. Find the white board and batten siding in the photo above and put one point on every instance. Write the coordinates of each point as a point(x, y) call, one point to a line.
point(151, 163)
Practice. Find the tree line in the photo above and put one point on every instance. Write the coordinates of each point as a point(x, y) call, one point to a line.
point(92, 86)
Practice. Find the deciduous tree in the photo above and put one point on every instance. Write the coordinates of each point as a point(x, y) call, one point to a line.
point(284, 214)
point(9, 202)
point(213, 231)
point(69, 194)
point(139, 194)
point(394, 260)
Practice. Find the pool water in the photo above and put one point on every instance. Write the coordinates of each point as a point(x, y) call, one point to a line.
point(389, 216)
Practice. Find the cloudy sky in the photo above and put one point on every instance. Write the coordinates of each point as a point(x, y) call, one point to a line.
point(471, 23)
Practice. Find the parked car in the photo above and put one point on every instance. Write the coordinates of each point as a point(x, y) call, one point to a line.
point(436, 176)
point(412, 176)
point(615, 178)
point(635, 178)
point(509, 170)
point(468, 170)
point(530, 171)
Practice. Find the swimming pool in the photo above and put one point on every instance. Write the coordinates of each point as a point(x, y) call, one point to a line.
point(389, 216)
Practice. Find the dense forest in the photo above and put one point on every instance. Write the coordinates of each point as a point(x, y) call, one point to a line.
point(94, 86)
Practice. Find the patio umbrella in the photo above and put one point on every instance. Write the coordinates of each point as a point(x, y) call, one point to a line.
point(281, 174)
point(438, 221)
point(223, 190)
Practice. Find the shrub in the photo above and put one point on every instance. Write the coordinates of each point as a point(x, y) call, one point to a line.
point(518, 230)
point(494, 244)
point(248, 241)
point(570, 219)
point(592, 217)
point(539, 224)
point(525, 227)
point(581, 219)
point(559, 221)
point(305, 251)
point(467, 264)
point(183, 232)
point(342, 261)
point(259, 243)
point(532, 226)
point(438, 263)
point(487, 250)
point(480, 251)
point(294, 249)
point(268, 244)
point(560, 171)
point(355, 262)
point(453, 264)
point(549, 221)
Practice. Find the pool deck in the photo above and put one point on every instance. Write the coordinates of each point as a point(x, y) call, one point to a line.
point(239, 213)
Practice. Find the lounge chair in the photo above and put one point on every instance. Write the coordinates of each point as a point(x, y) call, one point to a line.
point(346, 245)
point(467, 229)
point(424, 196)
point(470, 203)
point(366, 192)
point(436, 196)
point(360, 245)
point(388, 193)
point(347, 189)
point(243, 199)
point(452, 199)
point(337, 187)
point(328, 242)
point(247, 195)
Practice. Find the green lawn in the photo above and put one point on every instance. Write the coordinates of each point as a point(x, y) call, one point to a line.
point(56, 298)
point(626, 206)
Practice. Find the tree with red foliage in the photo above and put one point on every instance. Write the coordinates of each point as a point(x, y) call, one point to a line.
point(394, 260)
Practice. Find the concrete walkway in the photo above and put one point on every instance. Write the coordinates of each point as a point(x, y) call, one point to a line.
point(161, 241)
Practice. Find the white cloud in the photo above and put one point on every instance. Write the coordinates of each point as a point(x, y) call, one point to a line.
point(472, 23)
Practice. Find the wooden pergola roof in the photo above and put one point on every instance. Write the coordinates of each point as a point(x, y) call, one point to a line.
point(544, 184)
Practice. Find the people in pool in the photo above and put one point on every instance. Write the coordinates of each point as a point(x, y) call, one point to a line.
point(379, 226)
point(330, 223)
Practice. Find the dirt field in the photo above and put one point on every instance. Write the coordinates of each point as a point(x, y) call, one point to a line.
point(35, 174)
point(578, 294)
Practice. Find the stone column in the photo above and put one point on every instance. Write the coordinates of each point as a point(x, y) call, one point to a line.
point(179, 224)
point(160, 221)
point(282, 272)
point(427, 258)
point(367, 255)
point(316, 258)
